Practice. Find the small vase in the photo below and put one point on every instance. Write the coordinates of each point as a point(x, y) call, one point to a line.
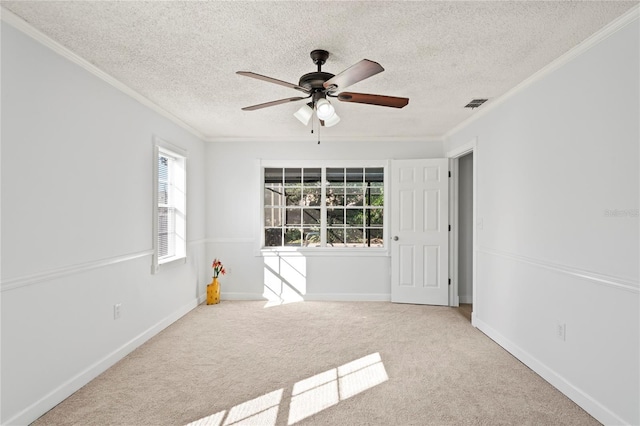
point(213, 292)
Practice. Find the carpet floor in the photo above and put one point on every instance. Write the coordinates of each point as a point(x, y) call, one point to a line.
point(318, 363)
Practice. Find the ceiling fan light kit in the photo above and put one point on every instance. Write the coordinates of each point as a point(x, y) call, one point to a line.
point(324, 109)
point(332, 121)
point(305, 113)
point(319, 85)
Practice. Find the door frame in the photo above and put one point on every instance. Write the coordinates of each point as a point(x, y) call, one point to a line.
point(454, 157)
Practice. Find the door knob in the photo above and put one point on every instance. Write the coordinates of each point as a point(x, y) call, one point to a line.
point(395, 238)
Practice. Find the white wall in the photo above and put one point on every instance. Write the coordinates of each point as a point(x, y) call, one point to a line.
point(77, 227)
point(233, 226)
point(551, 161)
point(465, 228)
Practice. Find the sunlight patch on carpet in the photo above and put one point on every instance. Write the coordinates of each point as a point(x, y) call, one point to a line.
point(212, 420)
point(317, 393)
point(308, 397)
point(259, 411)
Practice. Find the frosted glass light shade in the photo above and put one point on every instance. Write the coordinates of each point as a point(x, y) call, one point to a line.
point(332, 121)
point(304, 114)
point(324, 109)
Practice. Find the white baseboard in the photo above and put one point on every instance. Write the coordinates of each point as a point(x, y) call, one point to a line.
point(241, 296)
point(335, 297)
point(466, 299)
point(588, 403)
point(63, 391)
point(349, 297)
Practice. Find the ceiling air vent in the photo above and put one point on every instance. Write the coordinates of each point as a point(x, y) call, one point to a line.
point(475, 103)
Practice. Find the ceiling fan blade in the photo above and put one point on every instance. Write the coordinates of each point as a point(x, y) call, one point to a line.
point(355, 73)
point(364, 98)
point(273, 103)
point(272, 80)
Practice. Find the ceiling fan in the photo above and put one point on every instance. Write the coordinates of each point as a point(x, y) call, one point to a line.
point(318, 86)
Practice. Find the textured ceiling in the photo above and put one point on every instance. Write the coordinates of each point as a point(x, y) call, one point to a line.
point(183, 55)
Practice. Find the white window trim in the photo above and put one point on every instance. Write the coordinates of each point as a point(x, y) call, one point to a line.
point(162, 146)
point(324, 251)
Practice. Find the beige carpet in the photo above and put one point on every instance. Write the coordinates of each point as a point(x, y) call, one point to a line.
point(319, 363)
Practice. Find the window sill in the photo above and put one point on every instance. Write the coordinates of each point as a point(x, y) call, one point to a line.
point(169, 262)
point(324, 252)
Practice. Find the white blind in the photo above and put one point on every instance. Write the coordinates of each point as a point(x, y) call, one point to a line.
point(166, 208)
point(170, 198)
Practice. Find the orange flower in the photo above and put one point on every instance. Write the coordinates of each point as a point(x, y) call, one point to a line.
point(217, 268)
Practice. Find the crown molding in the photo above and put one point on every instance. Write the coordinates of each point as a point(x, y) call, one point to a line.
point(20, 24)
point(632, 15)
point(328, 139)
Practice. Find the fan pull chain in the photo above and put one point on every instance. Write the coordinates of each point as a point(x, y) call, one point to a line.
point(313, 122)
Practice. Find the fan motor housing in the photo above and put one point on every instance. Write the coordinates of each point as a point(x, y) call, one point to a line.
point(314, 80)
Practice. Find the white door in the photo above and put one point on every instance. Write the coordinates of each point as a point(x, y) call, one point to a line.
point(420, 231)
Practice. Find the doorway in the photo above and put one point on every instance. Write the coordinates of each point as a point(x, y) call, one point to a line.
point(465, 235)
point(463, 163)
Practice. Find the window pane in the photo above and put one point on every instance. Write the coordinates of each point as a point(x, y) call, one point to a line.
point(335, 197)
point(273, 217)
point(163, 192)
point(355, 197)
point(335, 177)
point(354, 217)
point(163, 226)
point(312, 177)
point(293, 195)
point(374, 218)
point(355, 177)
point(163, 168)
point(374, 175)
point(311, 216)
point(374, 196)
point(335, 217)
point(292, 237)
point(273, 194)
point(166, 231)
point(292, 177)
point(374, 238)
point(312, 196)
point(273, 175)
point(311, 237)
point(273, 237)
point(335, 237)
point(355, 237)
point(293, 217)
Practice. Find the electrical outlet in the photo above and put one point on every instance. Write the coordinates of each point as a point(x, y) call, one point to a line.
point(116, 310)
point(561, 331)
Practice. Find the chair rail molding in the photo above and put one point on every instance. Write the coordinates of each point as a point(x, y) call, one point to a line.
point(603, 279)
point(14, 283)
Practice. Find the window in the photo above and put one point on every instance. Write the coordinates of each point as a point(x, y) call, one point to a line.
point(324, 207)
point(170, 206)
